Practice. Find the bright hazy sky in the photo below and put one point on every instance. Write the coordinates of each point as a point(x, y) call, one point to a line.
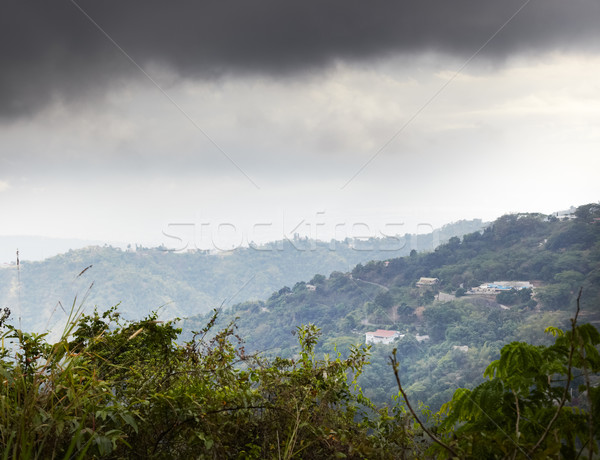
point(227, 122)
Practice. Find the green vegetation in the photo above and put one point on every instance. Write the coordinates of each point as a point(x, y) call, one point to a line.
point(383, 294)
point(114, 389)
point(477, 375)
point(188, 283)
point(527, 409)
point(521, 297)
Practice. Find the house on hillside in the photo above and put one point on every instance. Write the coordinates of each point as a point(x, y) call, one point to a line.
point(568, 214)
point(423, 281)
point(382, 336)
point(500, 286)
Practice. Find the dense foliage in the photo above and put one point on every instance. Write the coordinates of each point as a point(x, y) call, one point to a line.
point(114, 389)
point(528, 408)
point(465, 332)
point(111, 388)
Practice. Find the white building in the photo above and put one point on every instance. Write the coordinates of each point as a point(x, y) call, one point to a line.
point(499, 286)
point(382, 336)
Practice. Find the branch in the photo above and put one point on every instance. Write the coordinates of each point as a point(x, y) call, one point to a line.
point(569, 376)
point(591, 411)
point(191, 419)
point(583, 446)
point(435, 439)
point(517, 422)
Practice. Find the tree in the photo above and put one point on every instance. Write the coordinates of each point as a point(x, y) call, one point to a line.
point(454, 242)
point(523, 410)
point(439, 318)
point(514, 297)
point(317, 280)
point(428, 297)
point(460, 292)
point(588, 212)
point(555, 296)
point(384, 299)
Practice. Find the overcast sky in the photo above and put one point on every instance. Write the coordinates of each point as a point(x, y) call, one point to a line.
point(220, 123)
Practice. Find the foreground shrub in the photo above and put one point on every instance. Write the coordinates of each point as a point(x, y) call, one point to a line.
point(114, 389)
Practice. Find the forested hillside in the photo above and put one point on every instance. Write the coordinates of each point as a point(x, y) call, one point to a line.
point(109, 388)
point(465, 331)
point(144, 279)
point(506, 373)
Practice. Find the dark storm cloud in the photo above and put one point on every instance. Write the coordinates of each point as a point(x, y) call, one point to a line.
point(50, 50)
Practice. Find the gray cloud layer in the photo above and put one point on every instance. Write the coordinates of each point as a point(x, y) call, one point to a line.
point(50, 50)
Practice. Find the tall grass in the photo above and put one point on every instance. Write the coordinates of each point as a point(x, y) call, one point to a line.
point(50, 399)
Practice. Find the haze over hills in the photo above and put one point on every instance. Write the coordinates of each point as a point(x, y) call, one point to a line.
point(446, 312)
point(34, 248)
point(188, 282)
point(346, 288)
point(206, 126)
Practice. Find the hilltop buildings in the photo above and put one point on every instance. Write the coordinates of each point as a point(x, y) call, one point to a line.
point(382, 336)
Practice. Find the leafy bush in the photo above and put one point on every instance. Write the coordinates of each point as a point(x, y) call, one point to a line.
point(525, 409)
point(114, 389)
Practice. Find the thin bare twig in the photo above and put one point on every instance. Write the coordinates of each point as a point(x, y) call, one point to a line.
point(435, 439)
point(588, 388)
point(563, 399)
point(517, 422)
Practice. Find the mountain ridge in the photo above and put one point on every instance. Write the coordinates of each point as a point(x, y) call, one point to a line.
point(184, 283)
point(561, 255)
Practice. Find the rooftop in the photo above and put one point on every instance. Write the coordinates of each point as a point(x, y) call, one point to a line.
point(382, 333)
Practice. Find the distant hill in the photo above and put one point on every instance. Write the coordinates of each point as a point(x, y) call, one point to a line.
point(463, 331)
point(32, 248)
point(184, 284)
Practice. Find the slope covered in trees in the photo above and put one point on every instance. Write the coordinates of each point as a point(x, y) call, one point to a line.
point(186, 283)
point(110, 388)
point(115, 389)
point(465, 332)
